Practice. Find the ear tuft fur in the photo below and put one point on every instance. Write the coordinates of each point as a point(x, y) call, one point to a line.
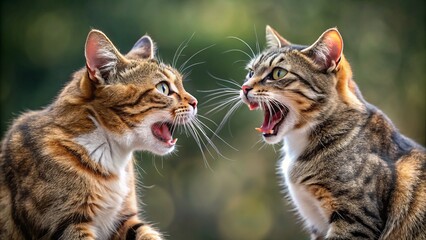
point(274, 39)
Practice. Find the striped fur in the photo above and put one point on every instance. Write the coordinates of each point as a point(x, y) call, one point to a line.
point(66, 172)
point(347, 170)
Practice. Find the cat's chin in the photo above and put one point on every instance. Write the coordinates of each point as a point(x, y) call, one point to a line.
point(159, 149)
point(273, 139)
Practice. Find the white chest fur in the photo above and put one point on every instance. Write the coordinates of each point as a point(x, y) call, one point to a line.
point(110, 204)
point(307, 206)
point(106, 150)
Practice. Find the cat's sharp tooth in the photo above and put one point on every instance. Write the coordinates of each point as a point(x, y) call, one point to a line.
point(265, 132)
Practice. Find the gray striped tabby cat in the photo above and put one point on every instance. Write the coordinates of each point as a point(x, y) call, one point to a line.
point(348, 171)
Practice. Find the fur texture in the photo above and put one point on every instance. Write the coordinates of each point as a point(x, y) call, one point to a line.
point(348, 171)
point(66, 172)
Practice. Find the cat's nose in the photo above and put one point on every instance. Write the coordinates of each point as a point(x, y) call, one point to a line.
point(193, 102)
point(246, 89)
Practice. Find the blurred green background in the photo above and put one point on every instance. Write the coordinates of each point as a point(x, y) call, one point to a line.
point(42, 44)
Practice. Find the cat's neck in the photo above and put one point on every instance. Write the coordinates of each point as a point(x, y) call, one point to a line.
point(341, 122)
point(72, 110)
point(294, 143)
point(106, 149)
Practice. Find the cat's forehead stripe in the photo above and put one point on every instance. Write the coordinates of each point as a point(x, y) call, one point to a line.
point(277, 60)
point(168, 74)
point(267, 59)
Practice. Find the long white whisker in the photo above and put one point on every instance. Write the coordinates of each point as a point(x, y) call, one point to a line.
point(196, 126)
point(224, 103)
point(175, 124)
point(214, 134)
point(193, 55)
point(208, 119)
point(231, 81)
point(190, 131)
point(257, 41)
point(220, 105)
point(261, 147)
point(228, 115)
point(238, 50)
point(222, 96)
point(192, 65)
point(186, 128)
point(238, 61)
point(245, 43)
point(219, 90)
point(223, 92)
point(200, 140)
point(180, 49)
point(155, 165)
point(213, 90)
point(273, 147)
point(260, 140)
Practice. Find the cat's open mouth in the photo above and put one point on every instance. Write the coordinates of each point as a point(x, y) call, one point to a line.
point(163, 132)
point(274, 116)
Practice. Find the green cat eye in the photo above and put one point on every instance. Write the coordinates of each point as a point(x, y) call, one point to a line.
point(163, 88)
point(278, 73)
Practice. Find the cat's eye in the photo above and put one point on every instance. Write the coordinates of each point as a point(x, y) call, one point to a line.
point(250, 73)
point(163, 88)
point(278, 73)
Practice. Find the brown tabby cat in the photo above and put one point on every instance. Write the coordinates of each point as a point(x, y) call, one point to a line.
point(349, 172)
point(66, 172)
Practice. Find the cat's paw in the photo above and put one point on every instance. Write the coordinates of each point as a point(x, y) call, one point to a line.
point(148, 233)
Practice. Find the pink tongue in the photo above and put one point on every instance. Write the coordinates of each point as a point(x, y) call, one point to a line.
point(162, 131)
point(269, 124)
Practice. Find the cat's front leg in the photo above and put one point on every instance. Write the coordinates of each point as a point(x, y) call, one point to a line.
point(146, 232)
point(80, 231)
point(137, 230)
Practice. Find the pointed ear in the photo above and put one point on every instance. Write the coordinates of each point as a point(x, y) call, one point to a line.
point(143, 48)
point(327, 50)
point(101, 57)
point(274, 39)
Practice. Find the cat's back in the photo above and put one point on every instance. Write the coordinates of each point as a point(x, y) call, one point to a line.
point(19, 155)
point(23, 135)
point(381, 137)
point(401, 162)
